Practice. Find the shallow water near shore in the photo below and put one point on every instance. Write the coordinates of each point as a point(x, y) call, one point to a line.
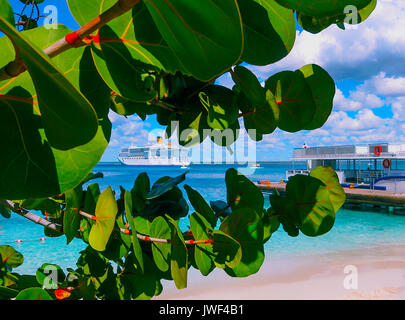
point(352, 230)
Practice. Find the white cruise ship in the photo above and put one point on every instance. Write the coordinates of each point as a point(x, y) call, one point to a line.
point(158, 154)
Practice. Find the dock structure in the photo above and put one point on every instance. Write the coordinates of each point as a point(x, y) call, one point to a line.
point(355, 197)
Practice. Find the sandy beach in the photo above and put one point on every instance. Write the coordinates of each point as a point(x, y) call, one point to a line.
point(380, 275)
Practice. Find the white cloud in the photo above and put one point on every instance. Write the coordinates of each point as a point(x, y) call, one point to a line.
point(384, 85)
point(377, 45)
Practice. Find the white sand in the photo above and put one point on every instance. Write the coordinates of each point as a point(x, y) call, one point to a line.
point(381, 275)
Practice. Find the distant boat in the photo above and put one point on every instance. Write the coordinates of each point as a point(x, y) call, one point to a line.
point(254, 165)
point(158, 154)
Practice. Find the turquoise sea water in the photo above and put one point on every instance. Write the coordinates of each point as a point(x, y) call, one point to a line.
point(352, 230)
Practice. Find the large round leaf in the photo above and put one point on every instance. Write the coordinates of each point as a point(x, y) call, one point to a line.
point(161, 251)
point(6, 11)
point(134, 239)
point(269, 31)
point(128, 30)
point(106, 211)
point(65, 111)
point(206, 36)
point(227, 250)
point(319, 8)
point(221, 106)
point(257, 112)
point(84, 12)
point(71, 218)
point(179, 259)
point(242, 193)
point(201, 206)
point(311, 199)
point(33, 294)
point(245, 226)
point(160, 188)
point(48, 273)
point(30, 167)
point(5, 212)
point(291, 100)
point(10, 256)
point(203, 253)
point(329, 177)
point(323, 90)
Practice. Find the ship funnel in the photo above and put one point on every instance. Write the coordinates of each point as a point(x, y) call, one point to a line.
point(159, 140)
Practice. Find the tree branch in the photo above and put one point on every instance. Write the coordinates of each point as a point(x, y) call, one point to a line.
point(58, 228)
point(17, 67)
point(31, 216)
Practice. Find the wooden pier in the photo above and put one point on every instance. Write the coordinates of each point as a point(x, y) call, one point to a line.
point(356, 197)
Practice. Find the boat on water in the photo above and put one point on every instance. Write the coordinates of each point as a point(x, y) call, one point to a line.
point(373, 166)
point(158, 154)
point(255, 165)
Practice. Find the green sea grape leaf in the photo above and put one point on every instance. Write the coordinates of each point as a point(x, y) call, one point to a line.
point(49, 171)
point(106, 211)
point(160, 188)
point(7, 293)
point(125, 107)
point(329, 177)
point(142, 285)
point(178, 258)
point(351, 17)
point(65, 111)
point(91, 197)
point(221, 208)
point(203, 253)
point(146, 47)
point(242, 193)
point(125, 75)
point(71, 218)
point(27, 281)
point(191, 128)
point(311, 199)
point(269, 31)
point(291, 100)
point(270, 224)
point(227, 250)
point(48, 273)
point(160, 229)
point(200, 32)
point(221, 106)
point(134, 239)
point(6, 12)
point(10, 257)
point(320, 8)
point(140, 191)
point(5, 212)
point(323, 90)
point(84, 12)
point(365, 12)
point(245, 226)
point(171, 203)
point(33, 294)
point(201, 206)
point(257, 111)
point(142, 225)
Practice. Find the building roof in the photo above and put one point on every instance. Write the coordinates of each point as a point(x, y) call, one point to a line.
point(351, 152)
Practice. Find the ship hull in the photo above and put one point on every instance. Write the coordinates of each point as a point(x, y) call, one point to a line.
point(152, 162)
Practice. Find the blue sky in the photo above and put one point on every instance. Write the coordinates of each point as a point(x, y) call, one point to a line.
point(367, 63)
